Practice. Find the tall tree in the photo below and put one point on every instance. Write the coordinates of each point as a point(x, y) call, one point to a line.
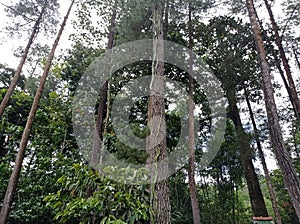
point(228, 38)
point(286, 66)
point(156, 145)
point(102, 108)
point(191, 170)
point(12, 185)
point(290, 176)
point(262, 159)
point(278, 65)
point(296, 57)
point(34, 32)
point(256, 197)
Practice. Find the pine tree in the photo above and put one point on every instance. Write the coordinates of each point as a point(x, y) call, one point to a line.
point(102, 108)
point(286, 66)
point(263, 161)
point(290, 176)
point(37, 25)
point(156, 145)
point(12, 185)
point(191, 170)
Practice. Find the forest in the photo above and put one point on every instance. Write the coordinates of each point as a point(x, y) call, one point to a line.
point(161, 111)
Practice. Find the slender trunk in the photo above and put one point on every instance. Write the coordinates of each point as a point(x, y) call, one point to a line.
point(255, 193)
point(12, 185)
point(277, 63)
point(191, 170)
point(296, 57)
point(285, 62)
point(290, 177)
point(103, 107)
point(287, 87)
point(295, 141)
point(17, 74)
point(98, 127)
point(233, 203)
point(166, 23)
point(156, 146)
point(263, 162)
point(237, 202)
point(289, 19)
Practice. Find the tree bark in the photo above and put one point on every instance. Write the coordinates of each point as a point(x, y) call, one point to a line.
point(96, 154)
point(277, 63)
point(12, 185)
point(290, 177)
point(17, 74)
point(191, 170)
point(103, 107)
point(285, 62)
point(156, 146)
point(296, 57)
point(256, 197)
point(263, 162)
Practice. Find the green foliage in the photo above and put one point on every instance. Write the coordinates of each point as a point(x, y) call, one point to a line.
point(222, 182)
point(56, 185)
point(75, 62)
point(180, 199)
point(14, 118)
point(286, 209)
point(292, 10)
point(6, 75)
point(48, 156)
point(24, 13)
point(92, 20)
point(293, 145)
point(136, 22)
point(223, 197)
point(87, 197)
point(230, 52)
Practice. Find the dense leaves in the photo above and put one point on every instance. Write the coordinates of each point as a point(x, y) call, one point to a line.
point(57, 185)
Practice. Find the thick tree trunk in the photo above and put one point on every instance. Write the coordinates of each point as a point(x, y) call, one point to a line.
point(16, 77)
point(12, 185)
point(191, 170)
point(285, 62)
point(263, 162)
point(255, 193)
point(290, 177)
point(156, 146)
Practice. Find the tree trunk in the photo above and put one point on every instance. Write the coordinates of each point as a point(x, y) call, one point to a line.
point(103, 107)
point(191, 170)
point(290, 177)
point(156, 146)
point(17, 74)
point(96, 154)
point(277, 63)
point(12, 185)
point(285, 62)
point(287, 87)
point(296, 57)
point(255, 193)
point(263, 161)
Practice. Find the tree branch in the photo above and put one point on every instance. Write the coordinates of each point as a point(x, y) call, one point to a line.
point(289, 19)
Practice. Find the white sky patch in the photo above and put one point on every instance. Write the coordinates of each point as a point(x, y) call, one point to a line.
point(9, 45)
